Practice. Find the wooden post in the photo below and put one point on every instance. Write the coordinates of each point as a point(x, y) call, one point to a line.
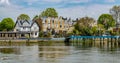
point(111, 42)
point(94, 41)
point(108, 42)
point(115, 43)
point(83, 41)
point(103, 41)
point(100, 41)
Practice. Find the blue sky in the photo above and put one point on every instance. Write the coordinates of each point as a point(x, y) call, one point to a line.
point(66, 8)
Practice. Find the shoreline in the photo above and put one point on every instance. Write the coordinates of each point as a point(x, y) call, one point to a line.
point(34, 40)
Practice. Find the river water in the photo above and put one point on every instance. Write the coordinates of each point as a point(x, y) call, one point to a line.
point(54, 52)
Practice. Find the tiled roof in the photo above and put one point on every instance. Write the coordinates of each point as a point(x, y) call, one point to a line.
point(20, 23)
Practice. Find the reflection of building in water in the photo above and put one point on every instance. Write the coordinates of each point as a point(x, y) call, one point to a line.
point(10, 50)
point(53, 51)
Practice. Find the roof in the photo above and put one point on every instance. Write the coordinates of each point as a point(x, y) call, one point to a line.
point(21, 23)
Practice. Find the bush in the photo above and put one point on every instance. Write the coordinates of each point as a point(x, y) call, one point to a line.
point(41, 34)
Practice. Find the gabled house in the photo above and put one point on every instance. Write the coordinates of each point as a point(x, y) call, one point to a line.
point(24, 27)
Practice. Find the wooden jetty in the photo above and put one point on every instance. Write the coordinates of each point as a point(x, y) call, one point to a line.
point(111, 41)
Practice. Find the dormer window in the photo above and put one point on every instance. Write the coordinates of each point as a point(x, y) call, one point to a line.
point(23, 27)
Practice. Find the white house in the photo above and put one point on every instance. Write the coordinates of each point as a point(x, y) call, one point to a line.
point(27, 27)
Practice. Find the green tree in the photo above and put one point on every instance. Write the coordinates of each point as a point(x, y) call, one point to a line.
point(106, 20)
point(101, 29)
point(84, 26)
point(7, 24)
point(49, 12)
point(23, 17)
point(115, 12)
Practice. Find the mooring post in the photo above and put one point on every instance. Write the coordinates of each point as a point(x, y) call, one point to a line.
point(94, 41)
point(107, 42)
point(83, 41)
point(118, 41)
point(115, 43)
point(73, 40)
point(77, 41)
point(103, 41)
point(111, 42)
point(100, 41)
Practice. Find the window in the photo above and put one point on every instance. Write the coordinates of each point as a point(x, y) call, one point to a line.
point(45, 21)
point(35, 33)
point(23, 27)
point(10, 35)
point(17, 29)
point(53, 21)
point(60, 26)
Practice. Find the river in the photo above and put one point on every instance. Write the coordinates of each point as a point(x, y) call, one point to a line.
point(53, 52)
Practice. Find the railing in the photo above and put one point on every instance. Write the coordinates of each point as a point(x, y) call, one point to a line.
point(94, 37)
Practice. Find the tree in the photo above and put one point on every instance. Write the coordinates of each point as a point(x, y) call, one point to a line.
point(84, 25)
point(101, 29)
point(6, 24)
point(106, 20)
point(23, 17)
point(49, 12)
point(115, 12)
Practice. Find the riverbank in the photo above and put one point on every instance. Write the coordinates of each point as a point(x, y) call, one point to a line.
point(35, 40)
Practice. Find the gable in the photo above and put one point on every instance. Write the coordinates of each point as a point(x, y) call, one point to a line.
point(26, 23)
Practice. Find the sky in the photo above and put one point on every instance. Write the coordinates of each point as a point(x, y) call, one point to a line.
point(67, 8)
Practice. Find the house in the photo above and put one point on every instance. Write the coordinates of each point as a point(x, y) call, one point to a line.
point(56, 24)
point(27, 27)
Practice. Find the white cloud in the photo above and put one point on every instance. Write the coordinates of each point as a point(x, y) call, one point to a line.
point(94, 10)
point(14, 12)
point(67, 1)
point(57, 1)
point(79, 1)
point(81, 11)
point(110, 1)
point(4, 2)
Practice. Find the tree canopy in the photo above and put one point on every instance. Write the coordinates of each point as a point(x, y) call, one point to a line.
point(49, 12)
point(23, 17)
point(7, 24)
point(115, 12)
point(106, 20)
point(84, 26)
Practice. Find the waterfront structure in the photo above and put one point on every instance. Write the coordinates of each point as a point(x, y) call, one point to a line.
point(27, 27)
point(56, 25)
point(9, 35)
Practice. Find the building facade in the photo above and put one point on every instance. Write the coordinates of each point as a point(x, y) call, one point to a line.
point(25, 27)
point(57, 25)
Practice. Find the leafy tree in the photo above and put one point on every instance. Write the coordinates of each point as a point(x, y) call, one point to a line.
point(6, 24)
point(101, 29)
point(115, 12)
point(94, 30)
point(84, 26)
point(106, 20)
point(49, 12)
point(23, 17)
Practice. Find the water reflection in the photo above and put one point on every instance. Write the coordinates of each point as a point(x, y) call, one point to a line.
point(58, 52)
point(53, 51)
point(10, 50)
